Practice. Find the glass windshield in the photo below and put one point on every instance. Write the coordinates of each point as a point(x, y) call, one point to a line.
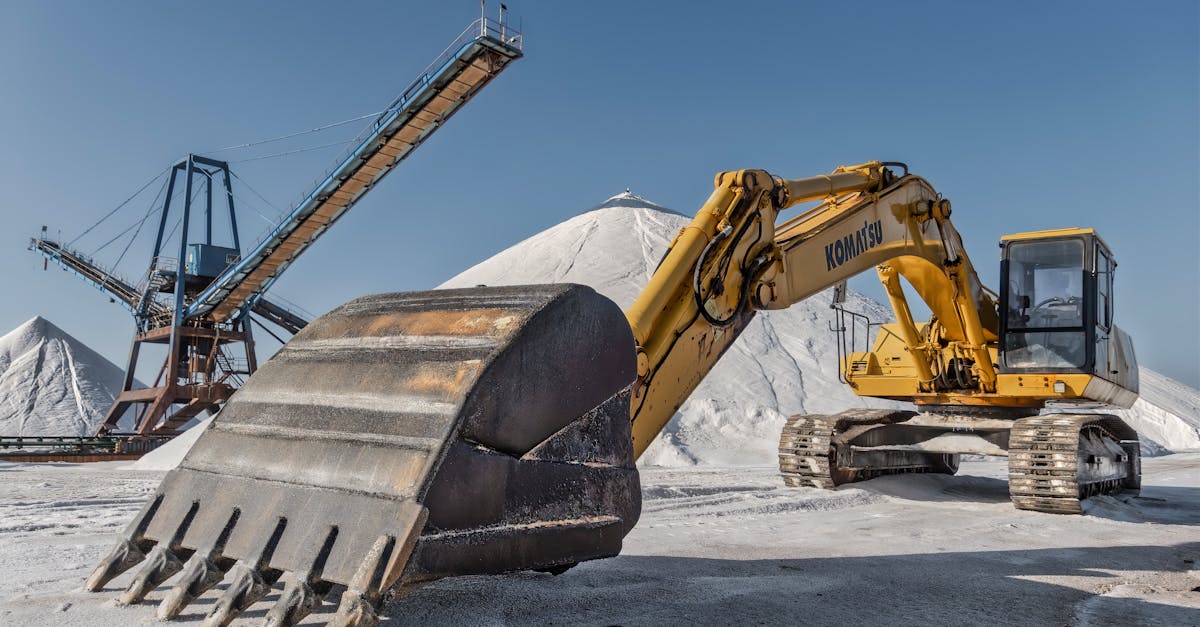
point(1045, 283)
point(1045, 349)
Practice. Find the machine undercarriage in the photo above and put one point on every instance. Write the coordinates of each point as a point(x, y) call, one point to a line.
point(1054, 460)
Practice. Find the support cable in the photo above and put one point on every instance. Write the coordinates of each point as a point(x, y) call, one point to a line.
point(299, 133)
point(255, 192)
point(245, 203)
point(138, 224)
point(123, 203)
point(293, 152)
point(199, 190)
point(264, 328)
point(154, 208)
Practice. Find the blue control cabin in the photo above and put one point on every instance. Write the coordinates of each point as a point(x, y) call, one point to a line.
point(206, 260)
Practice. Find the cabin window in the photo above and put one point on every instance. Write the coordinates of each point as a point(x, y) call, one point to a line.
point(1103, 289)
point(1045, 317)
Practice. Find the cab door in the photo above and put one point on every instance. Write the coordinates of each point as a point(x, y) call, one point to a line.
point(1103, 277)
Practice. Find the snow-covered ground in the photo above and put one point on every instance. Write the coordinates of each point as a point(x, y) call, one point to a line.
point(714, 546)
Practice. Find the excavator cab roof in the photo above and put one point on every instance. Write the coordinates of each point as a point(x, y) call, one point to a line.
point(1048, 233)
point(1089, 234)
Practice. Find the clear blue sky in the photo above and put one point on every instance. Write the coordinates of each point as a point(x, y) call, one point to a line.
point(1028, 115)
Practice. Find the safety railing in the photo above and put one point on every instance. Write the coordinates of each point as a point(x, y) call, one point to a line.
point(853, 333)
point(291, 306)
point(482, 35)
point(498, 30)
point(160, 269)
point(101, 277)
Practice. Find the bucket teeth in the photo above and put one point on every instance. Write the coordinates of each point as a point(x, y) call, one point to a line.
point(357, 607)
point(123, 556)
point(200, 573)
point(128, 551)
point(160, 564)
point(298, 600)
point(355, 610)
point(246, 586)
point(204, 570)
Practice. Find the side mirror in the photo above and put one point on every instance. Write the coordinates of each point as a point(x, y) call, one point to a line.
point(839, 295)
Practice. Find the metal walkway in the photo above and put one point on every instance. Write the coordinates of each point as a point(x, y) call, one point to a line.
point(200, 319)
point(479, 54)
point(119, 446)
point(124, 292)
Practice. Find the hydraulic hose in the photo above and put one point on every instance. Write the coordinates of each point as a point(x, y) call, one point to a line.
point(721, 236)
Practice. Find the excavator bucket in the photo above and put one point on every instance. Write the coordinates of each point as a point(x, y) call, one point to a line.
point(399, 438)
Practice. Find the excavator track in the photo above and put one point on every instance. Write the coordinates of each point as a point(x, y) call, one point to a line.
point(1057, 460)
point(808, 449)
point(806, 452)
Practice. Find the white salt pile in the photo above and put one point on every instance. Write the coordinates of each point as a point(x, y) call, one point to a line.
point(51, 383)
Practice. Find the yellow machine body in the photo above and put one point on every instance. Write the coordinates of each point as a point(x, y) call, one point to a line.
point(1096, 366)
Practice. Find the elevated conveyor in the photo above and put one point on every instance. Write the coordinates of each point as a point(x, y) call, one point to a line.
point(128, 295)
point(470, 62)
point(106, 281)
point(200, 319)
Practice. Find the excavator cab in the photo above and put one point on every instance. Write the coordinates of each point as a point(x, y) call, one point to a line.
point(1056, 306)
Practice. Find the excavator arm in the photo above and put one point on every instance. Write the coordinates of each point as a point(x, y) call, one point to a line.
point(736, 258)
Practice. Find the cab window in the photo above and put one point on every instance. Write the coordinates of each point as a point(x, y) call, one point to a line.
point(1045, 305)
point(1045, 285)
point(1103, 289)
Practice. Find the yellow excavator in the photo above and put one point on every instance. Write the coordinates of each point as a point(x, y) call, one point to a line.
point(410, 436)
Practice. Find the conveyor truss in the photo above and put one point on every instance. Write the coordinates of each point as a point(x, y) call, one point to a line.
point(202, 318)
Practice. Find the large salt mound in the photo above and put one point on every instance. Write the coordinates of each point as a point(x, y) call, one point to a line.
point(783, 364)
point(1167, 413)
point(51, 383)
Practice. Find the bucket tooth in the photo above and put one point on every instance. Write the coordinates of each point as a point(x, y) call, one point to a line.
point(128, 551)
point(358, 602)
point(304, 591)
point(160, 564)
point(200, 573)
point(246, 586)
point(204, 570)
point(123, 556)
point(356, 609)
point(298, 599)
